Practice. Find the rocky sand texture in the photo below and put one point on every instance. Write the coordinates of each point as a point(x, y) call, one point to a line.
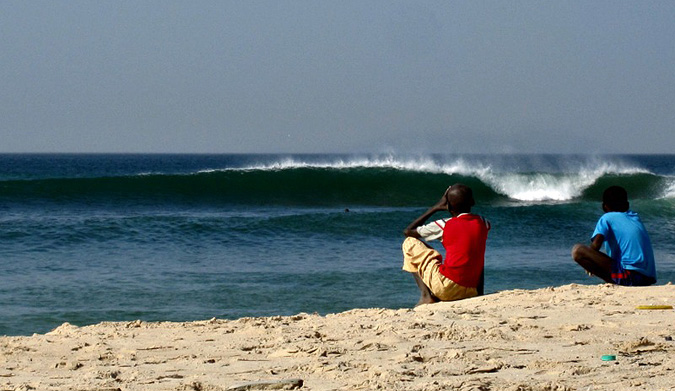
point(545, 339)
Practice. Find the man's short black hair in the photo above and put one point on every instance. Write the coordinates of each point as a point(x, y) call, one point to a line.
point(460, 198)
point(615, 198)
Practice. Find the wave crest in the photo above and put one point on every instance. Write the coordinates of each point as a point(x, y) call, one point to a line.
point(380, 180)
point(562, 183)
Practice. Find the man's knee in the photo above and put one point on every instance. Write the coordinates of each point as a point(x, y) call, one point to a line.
point(409, 244)
point(577, 251)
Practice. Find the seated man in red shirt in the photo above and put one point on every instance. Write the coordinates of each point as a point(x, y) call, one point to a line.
point(463, 235)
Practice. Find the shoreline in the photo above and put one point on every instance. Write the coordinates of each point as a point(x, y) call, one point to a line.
point(545, 339)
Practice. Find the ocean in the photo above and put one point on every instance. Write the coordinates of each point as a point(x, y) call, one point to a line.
point(91, 238)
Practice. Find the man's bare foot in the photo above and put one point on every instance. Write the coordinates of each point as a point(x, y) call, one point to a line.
point(427, 300)
point(426, 297)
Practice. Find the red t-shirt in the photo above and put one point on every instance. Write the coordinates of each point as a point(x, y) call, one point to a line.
point(464, 240)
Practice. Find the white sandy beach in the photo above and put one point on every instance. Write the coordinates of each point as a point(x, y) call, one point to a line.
point(546, 339)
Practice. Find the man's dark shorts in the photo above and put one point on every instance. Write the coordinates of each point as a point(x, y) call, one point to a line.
point(630, 277)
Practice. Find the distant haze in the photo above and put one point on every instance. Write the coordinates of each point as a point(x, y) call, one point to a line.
point(337, 76)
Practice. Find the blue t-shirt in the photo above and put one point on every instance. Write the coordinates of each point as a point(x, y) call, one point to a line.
point(627, 241)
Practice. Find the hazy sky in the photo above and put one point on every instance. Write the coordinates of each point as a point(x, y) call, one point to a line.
point(337, 76)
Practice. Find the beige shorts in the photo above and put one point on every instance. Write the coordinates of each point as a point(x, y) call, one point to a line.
point(425, 261)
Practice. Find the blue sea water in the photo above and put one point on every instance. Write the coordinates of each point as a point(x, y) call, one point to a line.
point(90, 238)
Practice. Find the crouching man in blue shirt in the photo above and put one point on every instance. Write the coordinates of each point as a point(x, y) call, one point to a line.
point(629, 258)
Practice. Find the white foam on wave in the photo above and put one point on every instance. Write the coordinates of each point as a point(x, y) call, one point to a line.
point(417, 164)
point(531, 184)
point(420, 164)
point(558, 186)
point(540, 187)
point(669, 192)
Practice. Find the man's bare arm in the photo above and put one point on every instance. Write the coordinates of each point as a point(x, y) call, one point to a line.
point(441, 205)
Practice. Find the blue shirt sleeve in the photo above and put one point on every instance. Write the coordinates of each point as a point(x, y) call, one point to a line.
point(602, 228)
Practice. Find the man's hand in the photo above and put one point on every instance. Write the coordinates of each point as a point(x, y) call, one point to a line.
point(443, 203)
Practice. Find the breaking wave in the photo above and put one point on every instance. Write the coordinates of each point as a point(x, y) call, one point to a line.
point(382, 181)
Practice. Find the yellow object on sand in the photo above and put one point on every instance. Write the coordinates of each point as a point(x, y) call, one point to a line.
point(654, 307)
